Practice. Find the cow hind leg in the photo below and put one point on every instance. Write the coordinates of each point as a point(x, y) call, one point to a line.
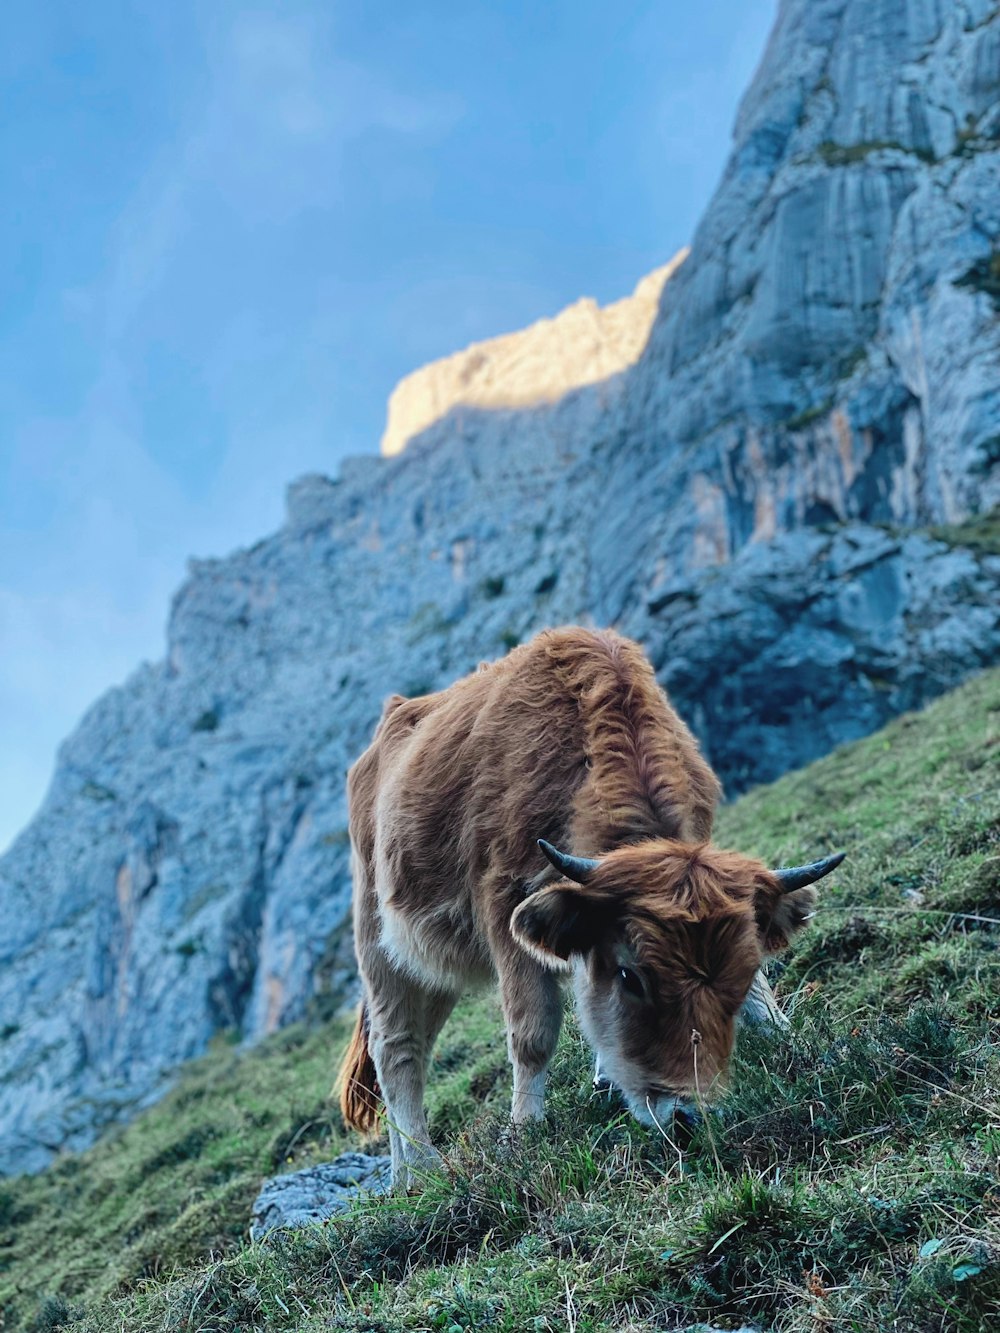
point(405, 1021)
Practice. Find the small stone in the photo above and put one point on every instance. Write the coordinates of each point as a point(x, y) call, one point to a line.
point(302, 1198)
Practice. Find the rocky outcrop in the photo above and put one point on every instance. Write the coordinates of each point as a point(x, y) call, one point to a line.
point(316, 1193)
point(773, 498)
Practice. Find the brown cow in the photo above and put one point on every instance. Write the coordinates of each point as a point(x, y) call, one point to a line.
point(570, 739)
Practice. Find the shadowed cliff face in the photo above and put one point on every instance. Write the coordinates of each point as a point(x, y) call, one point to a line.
point(752, 499)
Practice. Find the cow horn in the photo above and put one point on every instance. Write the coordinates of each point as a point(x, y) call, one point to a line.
point(573, 867)
point(797, 877)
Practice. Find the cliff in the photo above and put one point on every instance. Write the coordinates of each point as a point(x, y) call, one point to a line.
point(778, 495)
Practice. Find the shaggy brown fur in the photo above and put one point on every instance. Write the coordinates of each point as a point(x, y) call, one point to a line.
point(571, 739)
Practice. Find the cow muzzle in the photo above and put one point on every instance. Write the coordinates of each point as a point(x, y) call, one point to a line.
point(671, 1115)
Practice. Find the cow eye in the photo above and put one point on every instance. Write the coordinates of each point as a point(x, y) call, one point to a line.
point(631, 983)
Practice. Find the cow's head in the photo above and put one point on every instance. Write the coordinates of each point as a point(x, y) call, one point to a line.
point(664, 939)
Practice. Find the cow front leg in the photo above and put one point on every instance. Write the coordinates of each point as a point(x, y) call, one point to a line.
point(532, 1007)
point(404, 1024)
point(761, 1007)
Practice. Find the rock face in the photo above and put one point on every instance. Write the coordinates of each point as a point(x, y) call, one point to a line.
point(763, 498)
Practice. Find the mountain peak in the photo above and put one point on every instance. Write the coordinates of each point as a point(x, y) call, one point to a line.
point(582, 344)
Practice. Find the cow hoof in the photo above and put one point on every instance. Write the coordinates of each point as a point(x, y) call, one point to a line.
point(425, 1158)
point(419, 1161)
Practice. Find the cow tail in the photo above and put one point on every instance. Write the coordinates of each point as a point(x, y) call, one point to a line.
point(360, 1094)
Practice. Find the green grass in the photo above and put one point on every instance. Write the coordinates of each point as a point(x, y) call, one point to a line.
point(981, 532)
point(848, 1182)
point(810, 414)
point(844, 155)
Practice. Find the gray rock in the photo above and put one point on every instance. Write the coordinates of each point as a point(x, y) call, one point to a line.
point(749, 499)
point(301, 1198)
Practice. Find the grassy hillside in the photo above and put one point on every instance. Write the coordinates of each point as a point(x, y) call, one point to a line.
point(850, 1180)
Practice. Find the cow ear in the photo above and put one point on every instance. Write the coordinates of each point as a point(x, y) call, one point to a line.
point(781, 917)
point(559, 921)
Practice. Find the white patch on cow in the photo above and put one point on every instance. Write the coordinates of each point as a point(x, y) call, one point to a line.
point(413, 942)
point(402, 946)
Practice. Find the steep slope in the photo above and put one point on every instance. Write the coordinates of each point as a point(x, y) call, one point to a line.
point(870, 1136)
point(777, 498)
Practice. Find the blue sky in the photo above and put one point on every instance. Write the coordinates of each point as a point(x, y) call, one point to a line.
point(229, 229)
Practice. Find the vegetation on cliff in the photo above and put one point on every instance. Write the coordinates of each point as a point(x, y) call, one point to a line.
point(849, 1180)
